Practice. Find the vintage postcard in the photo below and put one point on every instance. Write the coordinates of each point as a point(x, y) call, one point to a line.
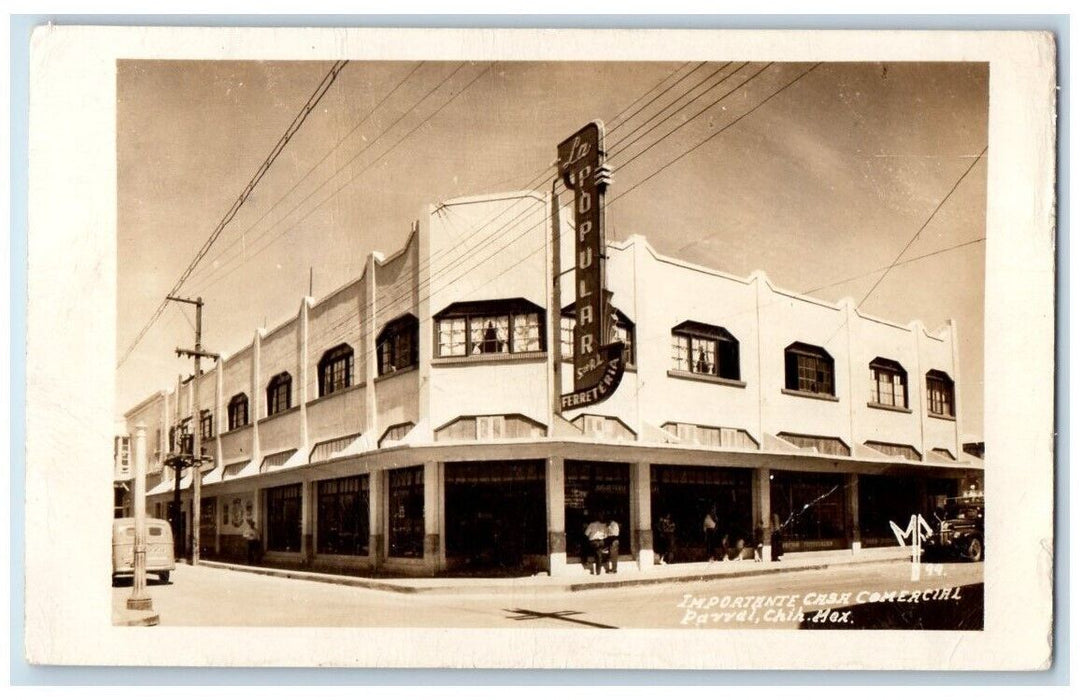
point(484, 348)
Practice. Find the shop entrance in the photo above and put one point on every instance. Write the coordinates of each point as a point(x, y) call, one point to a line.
point(885, 499)
point(207, 527)
point(593, 489)
point(812, 508)
point(686, 495)
point(496, 517)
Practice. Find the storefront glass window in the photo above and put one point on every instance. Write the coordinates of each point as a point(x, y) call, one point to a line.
point(406, 505)
point(342, 512)
point(591, 489)
point(283, 518)
point(812, 509)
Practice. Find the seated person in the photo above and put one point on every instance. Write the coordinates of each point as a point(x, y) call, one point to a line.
point(740, 551)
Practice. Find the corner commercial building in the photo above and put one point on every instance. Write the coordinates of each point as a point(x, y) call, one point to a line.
point(406, 423)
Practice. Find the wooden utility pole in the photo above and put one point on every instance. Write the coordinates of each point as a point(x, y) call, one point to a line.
point(556, 298)
point(196, 419)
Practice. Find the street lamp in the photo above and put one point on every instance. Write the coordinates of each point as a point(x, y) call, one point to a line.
point(140, 597)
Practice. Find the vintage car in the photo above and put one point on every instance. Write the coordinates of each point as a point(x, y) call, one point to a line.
point(958, 532)
point(159, 548)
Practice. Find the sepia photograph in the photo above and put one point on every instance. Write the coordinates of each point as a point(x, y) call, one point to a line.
point(636, 347)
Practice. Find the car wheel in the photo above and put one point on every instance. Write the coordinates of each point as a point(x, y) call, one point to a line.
point(974, 550)
point(163, 576)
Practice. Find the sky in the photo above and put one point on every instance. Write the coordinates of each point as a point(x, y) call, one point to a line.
point(819, 175)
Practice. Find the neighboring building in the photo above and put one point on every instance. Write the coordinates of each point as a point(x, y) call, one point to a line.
point(406, 422)
point(122, 474)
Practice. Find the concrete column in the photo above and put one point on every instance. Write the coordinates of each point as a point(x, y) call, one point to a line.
point(140, 597)
point(257, 396)
point(641, 513)
point(303, 394)
point(307, 515)
point(432, 515)
point(854, 529)
point(555, 488)
point(955, 375)
point(257, 516)
point(761, 508)
point(370, 358)
point(376, 509)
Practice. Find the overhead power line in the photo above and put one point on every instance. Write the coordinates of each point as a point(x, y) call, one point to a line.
point(924, 224)
point(366, 167)
point(471, 253)
point(719, 131)
point(894, 265)
point(276, 151)
point(221, 252)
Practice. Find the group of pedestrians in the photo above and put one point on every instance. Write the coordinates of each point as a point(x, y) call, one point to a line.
point(602, 535)
point(719, 546)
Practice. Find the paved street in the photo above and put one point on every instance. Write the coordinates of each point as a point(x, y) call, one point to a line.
point(205, 596)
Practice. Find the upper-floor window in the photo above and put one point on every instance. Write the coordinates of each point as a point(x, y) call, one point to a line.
point(335, 369)
point(939, 394)
point(279, 393)
point(398, 345)
point(206, 424)
point(888, 383)
point(490, 327)
point(180, 437)
point(699, 348)
point(238, 411)
point(620, 328)
point(809, 369)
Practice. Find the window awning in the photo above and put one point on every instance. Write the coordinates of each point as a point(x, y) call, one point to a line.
point(336, 447)
point(778, 444)
point(281, 460)
point(169, 485)
point(238, 470)
point(939, 457)
point(213, 476)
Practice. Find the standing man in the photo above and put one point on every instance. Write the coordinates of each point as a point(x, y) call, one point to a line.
point(611, 544)
point(596, 533)
point(254, 541)
point(709, 527)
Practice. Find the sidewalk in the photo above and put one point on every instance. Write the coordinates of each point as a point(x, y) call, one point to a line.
point(628, 575)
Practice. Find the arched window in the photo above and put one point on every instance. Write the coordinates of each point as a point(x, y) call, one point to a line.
point(238, 411)
point(808, 369)
point(398, 345)
point(888, 383)
point(279, 394)
point(335, 369)
point(699, 348)
point(206, 424)
point(939, 394)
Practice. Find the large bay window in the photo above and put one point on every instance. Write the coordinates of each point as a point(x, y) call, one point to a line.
point(507, 326)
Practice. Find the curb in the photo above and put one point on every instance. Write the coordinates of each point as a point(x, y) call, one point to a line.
point(692, 578)
point(341, 580)
point(512, 584)
point(136, 620)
